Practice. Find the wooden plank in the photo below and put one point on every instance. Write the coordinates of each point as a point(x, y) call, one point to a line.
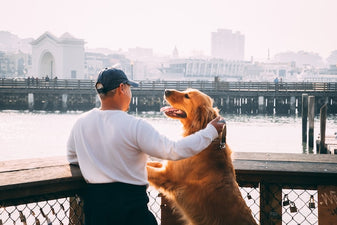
point(286, 168)
point(296, 169)
point(24, 164)
point(286, 157)
point(76, 216)
point(270, 204)
point(43, 174)
point(286, 162)
point(327, 205)
point(16, 171)
point(38, 177)
point(24, 178)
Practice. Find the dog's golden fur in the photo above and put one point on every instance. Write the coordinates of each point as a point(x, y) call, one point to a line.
point(203, 188)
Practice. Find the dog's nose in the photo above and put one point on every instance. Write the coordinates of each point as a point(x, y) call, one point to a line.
point(167, 92)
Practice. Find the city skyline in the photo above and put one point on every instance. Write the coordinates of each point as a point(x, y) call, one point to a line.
point(274, 26)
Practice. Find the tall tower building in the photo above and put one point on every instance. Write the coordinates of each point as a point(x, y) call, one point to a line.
point(228, 45)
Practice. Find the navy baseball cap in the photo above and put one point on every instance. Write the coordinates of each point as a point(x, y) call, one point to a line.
point(110, 78)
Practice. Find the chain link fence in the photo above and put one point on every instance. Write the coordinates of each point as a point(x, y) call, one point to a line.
point(59, 211)
point(299, 206)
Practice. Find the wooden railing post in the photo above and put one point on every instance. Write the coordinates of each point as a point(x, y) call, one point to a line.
point(76, 216)
point(327, 204)
point(270, 204)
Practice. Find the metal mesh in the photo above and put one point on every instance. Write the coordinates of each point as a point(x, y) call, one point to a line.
point(302, 207)
point(298, 207)
point(155, 203)
point(59, 211)
point(252, 198)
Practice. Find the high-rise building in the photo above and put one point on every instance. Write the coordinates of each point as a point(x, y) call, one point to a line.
point(228, 45)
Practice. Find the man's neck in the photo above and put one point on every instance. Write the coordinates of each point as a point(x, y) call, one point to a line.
point(111, 105)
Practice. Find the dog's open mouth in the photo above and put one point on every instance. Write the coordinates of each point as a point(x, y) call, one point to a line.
point(173, 112)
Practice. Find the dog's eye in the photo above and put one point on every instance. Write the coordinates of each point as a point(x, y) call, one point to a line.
point(186, 96)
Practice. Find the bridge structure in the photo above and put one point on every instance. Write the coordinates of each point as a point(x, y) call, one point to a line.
point(229, 97)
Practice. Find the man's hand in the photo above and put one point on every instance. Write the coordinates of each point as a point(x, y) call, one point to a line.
point(218, 123)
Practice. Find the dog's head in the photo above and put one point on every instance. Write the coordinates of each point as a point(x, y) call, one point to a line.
point(193, 108)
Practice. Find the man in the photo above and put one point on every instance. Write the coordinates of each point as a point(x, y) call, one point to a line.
point(111, 148)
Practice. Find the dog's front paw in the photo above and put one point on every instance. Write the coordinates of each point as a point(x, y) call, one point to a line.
point(154, 164)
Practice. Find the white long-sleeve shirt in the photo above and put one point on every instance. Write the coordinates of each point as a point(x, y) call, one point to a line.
point(113, 146)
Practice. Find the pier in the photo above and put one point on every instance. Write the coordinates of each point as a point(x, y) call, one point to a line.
point(229, 97)
point(279, 189)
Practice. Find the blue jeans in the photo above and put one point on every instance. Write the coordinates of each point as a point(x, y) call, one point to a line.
point(117, 204)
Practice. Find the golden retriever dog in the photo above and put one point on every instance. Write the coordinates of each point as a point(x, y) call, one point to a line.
point(202, 188)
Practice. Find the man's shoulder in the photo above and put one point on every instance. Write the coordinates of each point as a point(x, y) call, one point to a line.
point(86, 116)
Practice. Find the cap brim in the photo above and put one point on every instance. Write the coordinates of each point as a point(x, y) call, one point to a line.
point(132, 83)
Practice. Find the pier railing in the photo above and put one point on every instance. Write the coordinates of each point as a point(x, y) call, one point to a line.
point(229, 97)
point(75, 84)
point(279, 189)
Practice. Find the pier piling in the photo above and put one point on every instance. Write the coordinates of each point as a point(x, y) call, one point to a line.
point(304, 117)
point(262, 105)
point(30, 101)
point(322, 147)
point(64, 102)
point(292, 105)
point(311, 116)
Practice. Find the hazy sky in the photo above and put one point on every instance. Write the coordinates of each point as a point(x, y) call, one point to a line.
point(280, 25)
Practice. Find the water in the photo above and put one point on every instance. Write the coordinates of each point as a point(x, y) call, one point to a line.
point(41, 134)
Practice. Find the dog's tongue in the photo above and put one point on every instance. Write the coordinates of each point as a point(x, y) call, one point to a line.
point(166, 108)
point(170, 111)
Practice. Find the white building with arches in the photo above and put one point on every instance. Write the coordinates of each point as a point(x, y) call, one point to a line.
point(61, 57)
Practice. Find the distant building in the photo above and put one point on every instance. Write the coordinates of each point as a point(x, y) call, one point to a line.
point(268, 71)
point(140, 53)
point(204, 69)
point(11, 43)
point(332, 59)
point(301, 58)
point(228, 45)
point(14, 64)
point(332, 70)
point(95, 62)
point(62, 57)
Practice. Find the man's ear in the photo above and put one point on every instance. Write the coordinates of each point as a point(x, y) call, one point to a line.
point(122, 87)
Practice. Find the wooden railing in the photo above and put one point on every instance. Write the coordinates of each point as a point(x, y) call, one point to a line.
point(265, 179)
point(180, 85)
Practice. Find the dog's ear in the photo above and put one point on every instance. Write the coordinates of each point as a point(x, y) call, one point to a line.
point(203, 116)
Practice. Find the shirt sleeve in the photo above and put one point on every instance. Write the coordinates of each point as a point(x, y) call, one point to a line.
point(154, 144)
point(71, 151)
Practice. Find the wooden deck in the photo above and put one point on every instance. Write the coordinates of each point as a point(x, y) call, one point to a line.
point(330, 142)
point(310, 169)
